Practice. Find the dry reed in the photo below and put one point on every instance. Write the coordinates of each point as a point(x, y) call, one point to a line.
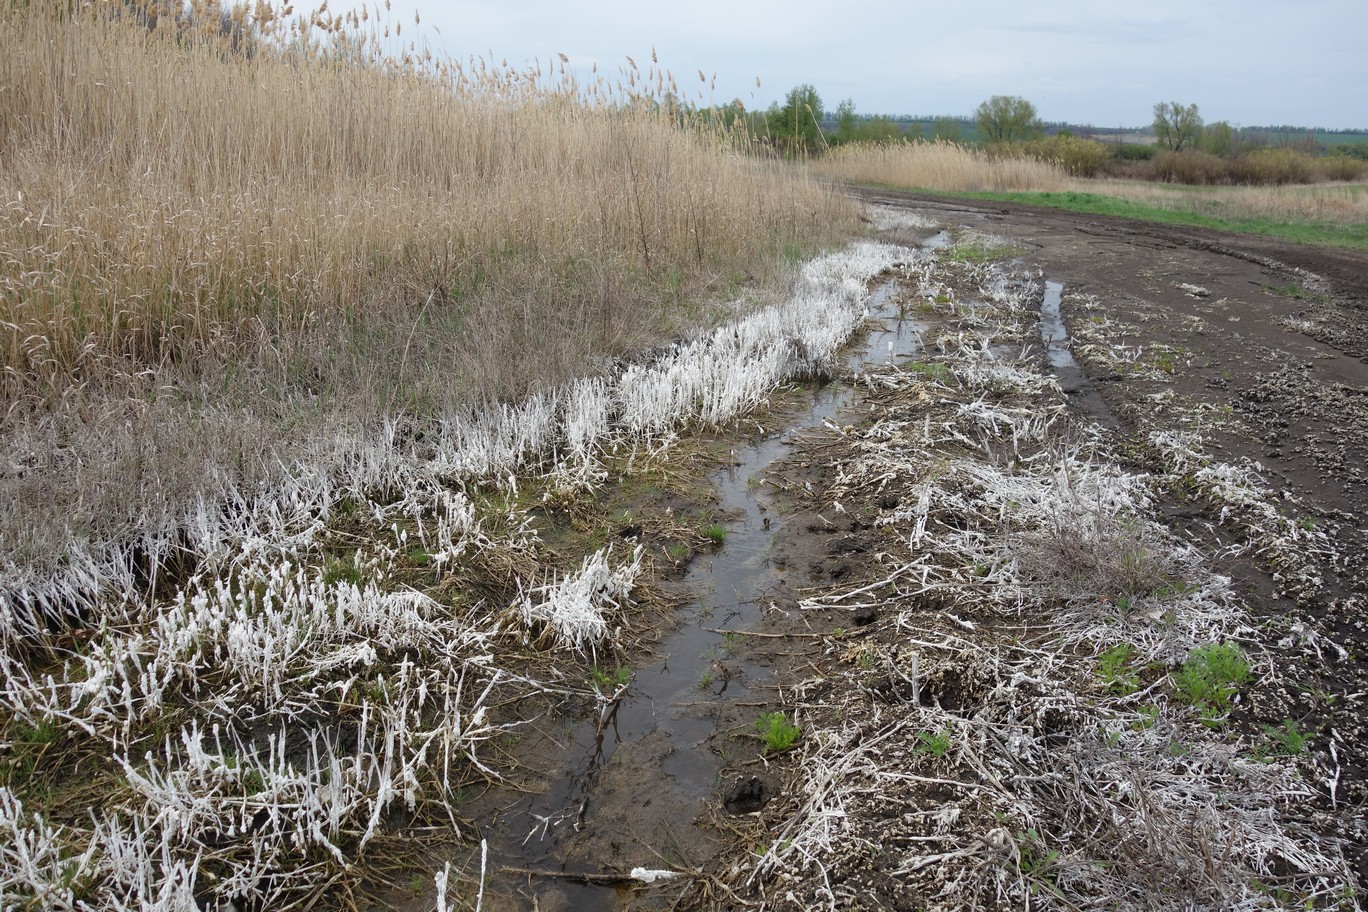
point(225, 249)
point(938, 166)
point(334, 216)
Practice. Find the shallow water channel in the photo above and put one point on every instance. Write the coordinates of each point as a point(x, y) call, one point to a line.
point(655, 744)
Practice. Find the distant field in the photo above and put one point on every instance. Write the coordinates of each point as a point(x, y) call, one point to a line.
point(1333, 215)
point(1328, 139)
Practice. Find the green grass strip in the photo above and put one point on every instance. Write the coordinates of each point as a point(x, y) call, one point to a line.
point(1318, 233)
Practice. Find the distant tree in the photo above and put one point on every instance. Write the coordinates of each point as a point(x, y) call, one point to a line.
point(793, 126)
point(948, 129)
point(877, 129)
point(845, 120)
point(1177, 126)
point(1007, 118)
point(1217, 138)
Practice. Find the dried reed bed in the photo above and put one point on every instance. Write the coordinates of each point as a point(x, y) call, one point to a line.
point(317, 210)
point(1335, 203)
point(234, 257)
point(938, 166)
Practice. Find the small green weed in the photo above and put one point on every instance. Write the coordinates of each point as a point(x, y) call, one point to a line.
point(1036, 859)
point(936, 744)
point(1166, 361)
point(1208, 679)
point(419, 558)
point(677, 551)
point(605, 681)
point(715, 533)
point(778, 733)
point(1149, 715)
point(1113, 667)
point(44, 732)
point(1285, 739)
point(931, 370)
point(341, 570)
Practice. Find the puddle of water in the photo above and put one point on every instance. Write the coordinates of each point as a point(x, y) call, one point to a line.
point(1072, 380)
point(1052, 330)
point(938, 241)
point(665, 700)
point(892, 335)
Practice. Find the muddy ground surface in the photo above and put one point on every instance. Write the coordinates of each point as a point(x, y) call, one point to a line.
point(1259, 346)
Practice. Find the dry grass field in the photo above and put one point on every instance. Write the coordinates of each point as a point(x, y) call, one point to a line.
point(172, 202)
point(939, 165)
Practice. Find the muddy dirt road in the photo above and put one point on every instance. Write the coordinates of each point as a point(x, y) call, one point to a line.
point(1224, 380)
point(1232, 374)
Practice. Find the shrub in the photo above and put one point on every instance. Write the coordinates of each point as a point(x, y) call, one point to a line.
point(1339, 166)
point(1189, 167)
point(1079, 157)
point(1271, 166)
point(1136, 152)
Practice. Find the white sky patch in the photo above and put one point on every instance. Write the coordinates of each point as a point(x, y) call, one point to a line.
point(1076, 61)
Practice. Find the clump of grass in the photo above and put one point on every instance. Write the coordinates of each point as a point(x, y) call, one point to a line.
point(1085, 553)
point(1210, 677)
point(978, 250)
point(932, 370)
point(715, 533)
point(778, 733)
point(1298, 293)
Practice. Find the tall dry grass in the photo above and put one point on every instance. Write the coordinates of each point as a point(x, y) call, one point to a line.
point(1341, 204)
point(329, 215)
point(938, 165)
point(219, 254)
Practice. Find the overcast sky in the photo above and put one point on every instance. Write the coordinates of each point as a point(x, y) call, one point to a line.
point(1251, 62)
